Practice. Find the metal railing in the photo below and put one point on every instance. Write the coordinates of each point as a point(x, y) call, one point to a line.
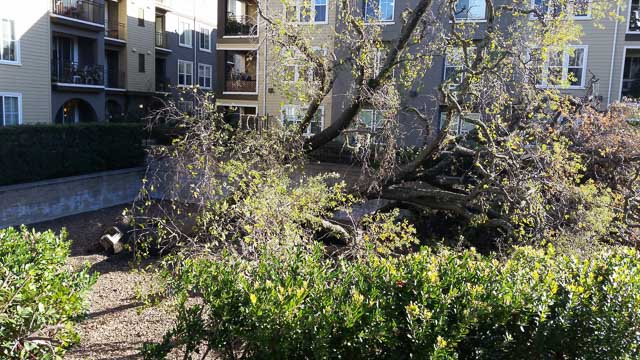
point(251, 122)
point(240, 25)
point(162, 84)
point(69, 72)
point(114, 30)
point(85, 10)
point(162, 40)
point(240, 82)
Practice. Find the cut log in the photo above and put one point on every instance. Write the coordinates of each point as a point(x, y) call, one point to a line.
point(113, 240)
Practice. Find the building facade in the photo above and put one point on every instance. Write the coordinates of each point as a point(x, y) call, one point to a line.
point(71, 61)
point(606, 63)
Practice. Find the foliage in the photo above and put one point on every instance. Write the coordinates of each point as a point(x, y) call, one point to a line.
point(296, 304)
point(40, 297)
point(39, 152)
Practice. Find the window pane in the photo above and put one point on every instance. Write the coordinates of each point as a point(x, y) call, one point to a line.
point(575, 76)
point(371, 9)
point(576, 57)
point(386, 10)
point(1, 111)
point(11, 111)
point(321, 13)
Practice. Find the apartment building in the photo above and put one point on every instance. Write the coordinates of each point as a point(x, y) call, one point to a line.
point(25, 88)
point(606, 63)
point(248, 80)
point(70, 61)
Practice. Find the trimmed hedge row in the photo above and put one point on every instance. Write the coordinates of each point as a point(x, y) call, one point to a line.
point(429, 305)
point(39, 152)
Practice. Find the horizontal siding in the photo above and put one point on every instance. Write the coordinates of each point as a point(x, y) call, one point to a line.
point(141, 40)
point(32, 78)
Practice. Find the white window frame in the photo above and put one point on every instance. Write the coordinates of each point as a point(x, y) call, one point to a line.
point(185, 63)
point(295, 63)
point(459, 126)
point(470, 52)
point(565, 69)
point(300, 4)
point(15, 40)
point(622, 61)
point(472, 20)
point(377, 19)
point(569, 10)
point(12, 95)
point(204, 28)
point(182, 23)
point(201, 67)
point(297, 110)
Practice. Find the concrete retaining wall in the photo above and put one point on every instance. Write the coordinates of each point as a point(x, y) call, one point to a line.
point(52, 199)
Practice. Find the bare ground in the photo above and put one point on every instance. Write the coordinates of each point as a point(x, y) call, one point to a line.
point(117, 324)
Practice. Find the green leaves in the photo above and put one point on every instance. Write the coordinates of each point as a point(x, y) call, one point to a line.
point(40, 297)
point(296, 304)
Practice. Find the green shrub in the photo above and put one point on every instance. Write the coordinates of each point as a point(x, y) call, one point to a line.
point(39, 295)
point(535, 305)
point(39, 152)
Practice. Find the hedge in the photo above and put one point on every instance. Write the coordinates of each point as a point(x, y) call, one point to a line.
point(428, 305)
point(38, 152)
point(40, 296)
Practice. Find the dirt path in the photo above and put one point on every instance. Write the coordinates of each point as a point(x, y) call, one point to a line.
point(115, 327)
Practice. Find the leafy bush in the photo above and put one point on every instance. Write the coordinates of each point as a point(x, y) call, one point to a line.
point(39, 152)
point(537, 304)
point(39, 295)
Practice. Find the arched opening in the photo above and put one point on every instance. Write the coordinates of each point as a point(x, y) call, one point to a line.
point(76, 111)
point(113, 111)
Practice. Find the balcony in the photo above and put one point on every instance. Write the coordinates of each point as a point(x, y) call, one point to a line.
point(240, 25)
point(83, 10)
point(115, 30)
point(162, 40)
point(240, 72)
point(241, 18)
point(631, 75)
point(72, 73)
point(162, 84)
point(115, 78)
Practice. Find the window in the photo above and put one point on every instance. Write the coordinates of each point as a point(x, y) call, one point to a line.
point(379, 10)
point(578, 9)
point(141, 17)
point(184, 29)
point(205, 38)
point(185, 73)
point(204, 75)
point(458, 125)
point(565, 69)
point(10, 109)
point(185, 106)
point(293, 114)
point(471, 10)
point(296, 65)
point(307, 11)
point(141, 64)
point(9, 45)
point(454, 62)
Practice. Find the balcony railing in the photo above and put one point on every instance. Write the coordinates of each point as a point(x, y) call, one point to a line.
point(162, 40)
point(73, 73)
point(85, 10)
point(162, 84)
point(251, 122)
point(115, 30)
point(240, 25)
point(115, 78)
point(240, 82)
